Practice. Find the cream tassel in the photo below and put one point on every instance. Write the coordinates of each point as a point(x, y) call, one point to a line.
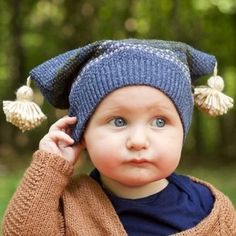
point(210, 98)
point(23, 113)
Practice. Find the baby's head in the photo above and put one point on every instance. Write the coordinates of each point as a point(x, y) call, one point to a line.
point(80, 79)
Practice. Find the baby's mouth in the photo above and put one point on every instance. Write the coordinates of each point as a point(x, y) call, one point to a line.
point(139, 161)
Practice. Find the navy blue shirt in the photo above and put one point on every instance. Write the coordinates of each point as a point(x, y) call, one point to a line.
point(180, 206)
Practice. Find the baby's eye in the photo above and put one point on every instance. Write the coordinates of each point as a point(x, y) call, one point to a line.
point(118, 122)
point(158, 122)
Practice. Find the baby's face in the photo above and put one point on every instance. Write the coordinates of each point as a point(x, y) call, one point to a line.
point(135, 136)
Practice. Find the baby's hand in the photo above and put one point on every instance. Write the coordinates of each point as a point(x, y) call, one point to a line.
point(58, 141)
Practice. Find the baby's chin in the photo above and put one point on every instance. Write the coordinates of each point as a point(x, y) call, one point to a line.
point(139, 182)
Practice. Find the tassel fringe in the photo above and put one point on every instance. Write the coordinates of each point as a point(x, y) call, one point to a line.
point(210, 99)
point(23, 112)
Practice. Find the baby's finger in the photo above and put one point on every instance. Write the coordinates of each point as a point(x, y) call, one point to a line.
point(58, 136)
point(63, 124)
point(55, 142)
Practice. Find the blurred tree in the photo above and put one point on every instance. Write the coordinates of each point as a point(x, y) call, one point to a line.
point(14, 56)
point(34, 31)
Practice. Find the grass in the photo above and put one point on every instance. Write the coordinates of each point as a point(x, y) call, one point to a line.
point(8, 184)
point(222, 177)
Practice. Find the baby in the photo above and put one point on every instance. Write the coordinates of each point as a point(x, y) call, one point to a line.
point(130, 106)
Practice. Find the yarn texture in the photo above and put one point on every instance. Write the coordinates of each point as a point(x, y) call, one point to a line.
point(23, 112)
point(78, 80)
point(48, 202)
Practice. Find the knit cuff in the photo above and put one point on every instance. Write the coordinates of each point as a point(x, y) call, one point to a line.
point(54, 161)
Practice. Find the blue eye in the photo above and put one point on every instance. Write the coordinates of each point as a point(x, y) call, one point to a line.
point(118, 122)
point(158, 122)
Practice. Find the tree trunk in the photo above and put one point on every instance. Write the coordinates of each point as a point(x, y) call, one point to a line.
point(15, 61)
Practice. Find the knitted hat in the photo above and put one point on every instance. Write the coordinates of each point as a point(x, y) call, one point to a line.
point(78, 80)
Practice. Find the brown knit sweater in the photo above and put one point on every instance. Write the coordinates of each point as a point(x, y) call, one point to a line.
point(49, 202)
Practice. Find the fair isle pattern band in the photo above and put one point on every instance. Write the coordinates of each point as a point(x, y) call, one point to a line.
point(119, 47)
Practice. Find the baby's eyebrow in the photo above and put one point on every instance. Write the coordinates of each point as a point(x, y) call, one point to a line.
point(158, 106)
point(122, 108)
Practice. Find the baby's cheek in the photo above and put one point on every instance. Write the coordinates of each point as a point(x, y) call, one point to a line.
point(99, 152)
point(168, 158)
point(173, 161)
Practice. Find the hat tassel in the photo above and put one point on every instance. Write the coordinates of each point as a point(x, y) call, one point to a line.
point(23, 112)
point(210, 98)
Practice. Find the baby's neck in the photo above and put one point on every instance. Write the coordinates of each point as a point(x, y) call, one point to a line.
point(128, 192)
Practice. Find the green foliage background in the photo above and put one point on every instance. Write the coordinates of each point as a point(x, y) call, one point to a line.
point(34, 31)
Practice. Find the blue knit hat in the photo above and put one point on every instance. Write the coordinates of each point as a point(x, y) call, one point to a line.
point(78, 80)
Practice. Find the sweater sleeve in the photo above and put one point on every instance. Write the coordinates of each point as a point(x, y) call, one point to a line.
point(34, 208)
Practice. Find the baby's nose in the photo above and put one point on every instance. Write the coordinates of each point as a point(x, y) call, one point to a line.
point(137, 139)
